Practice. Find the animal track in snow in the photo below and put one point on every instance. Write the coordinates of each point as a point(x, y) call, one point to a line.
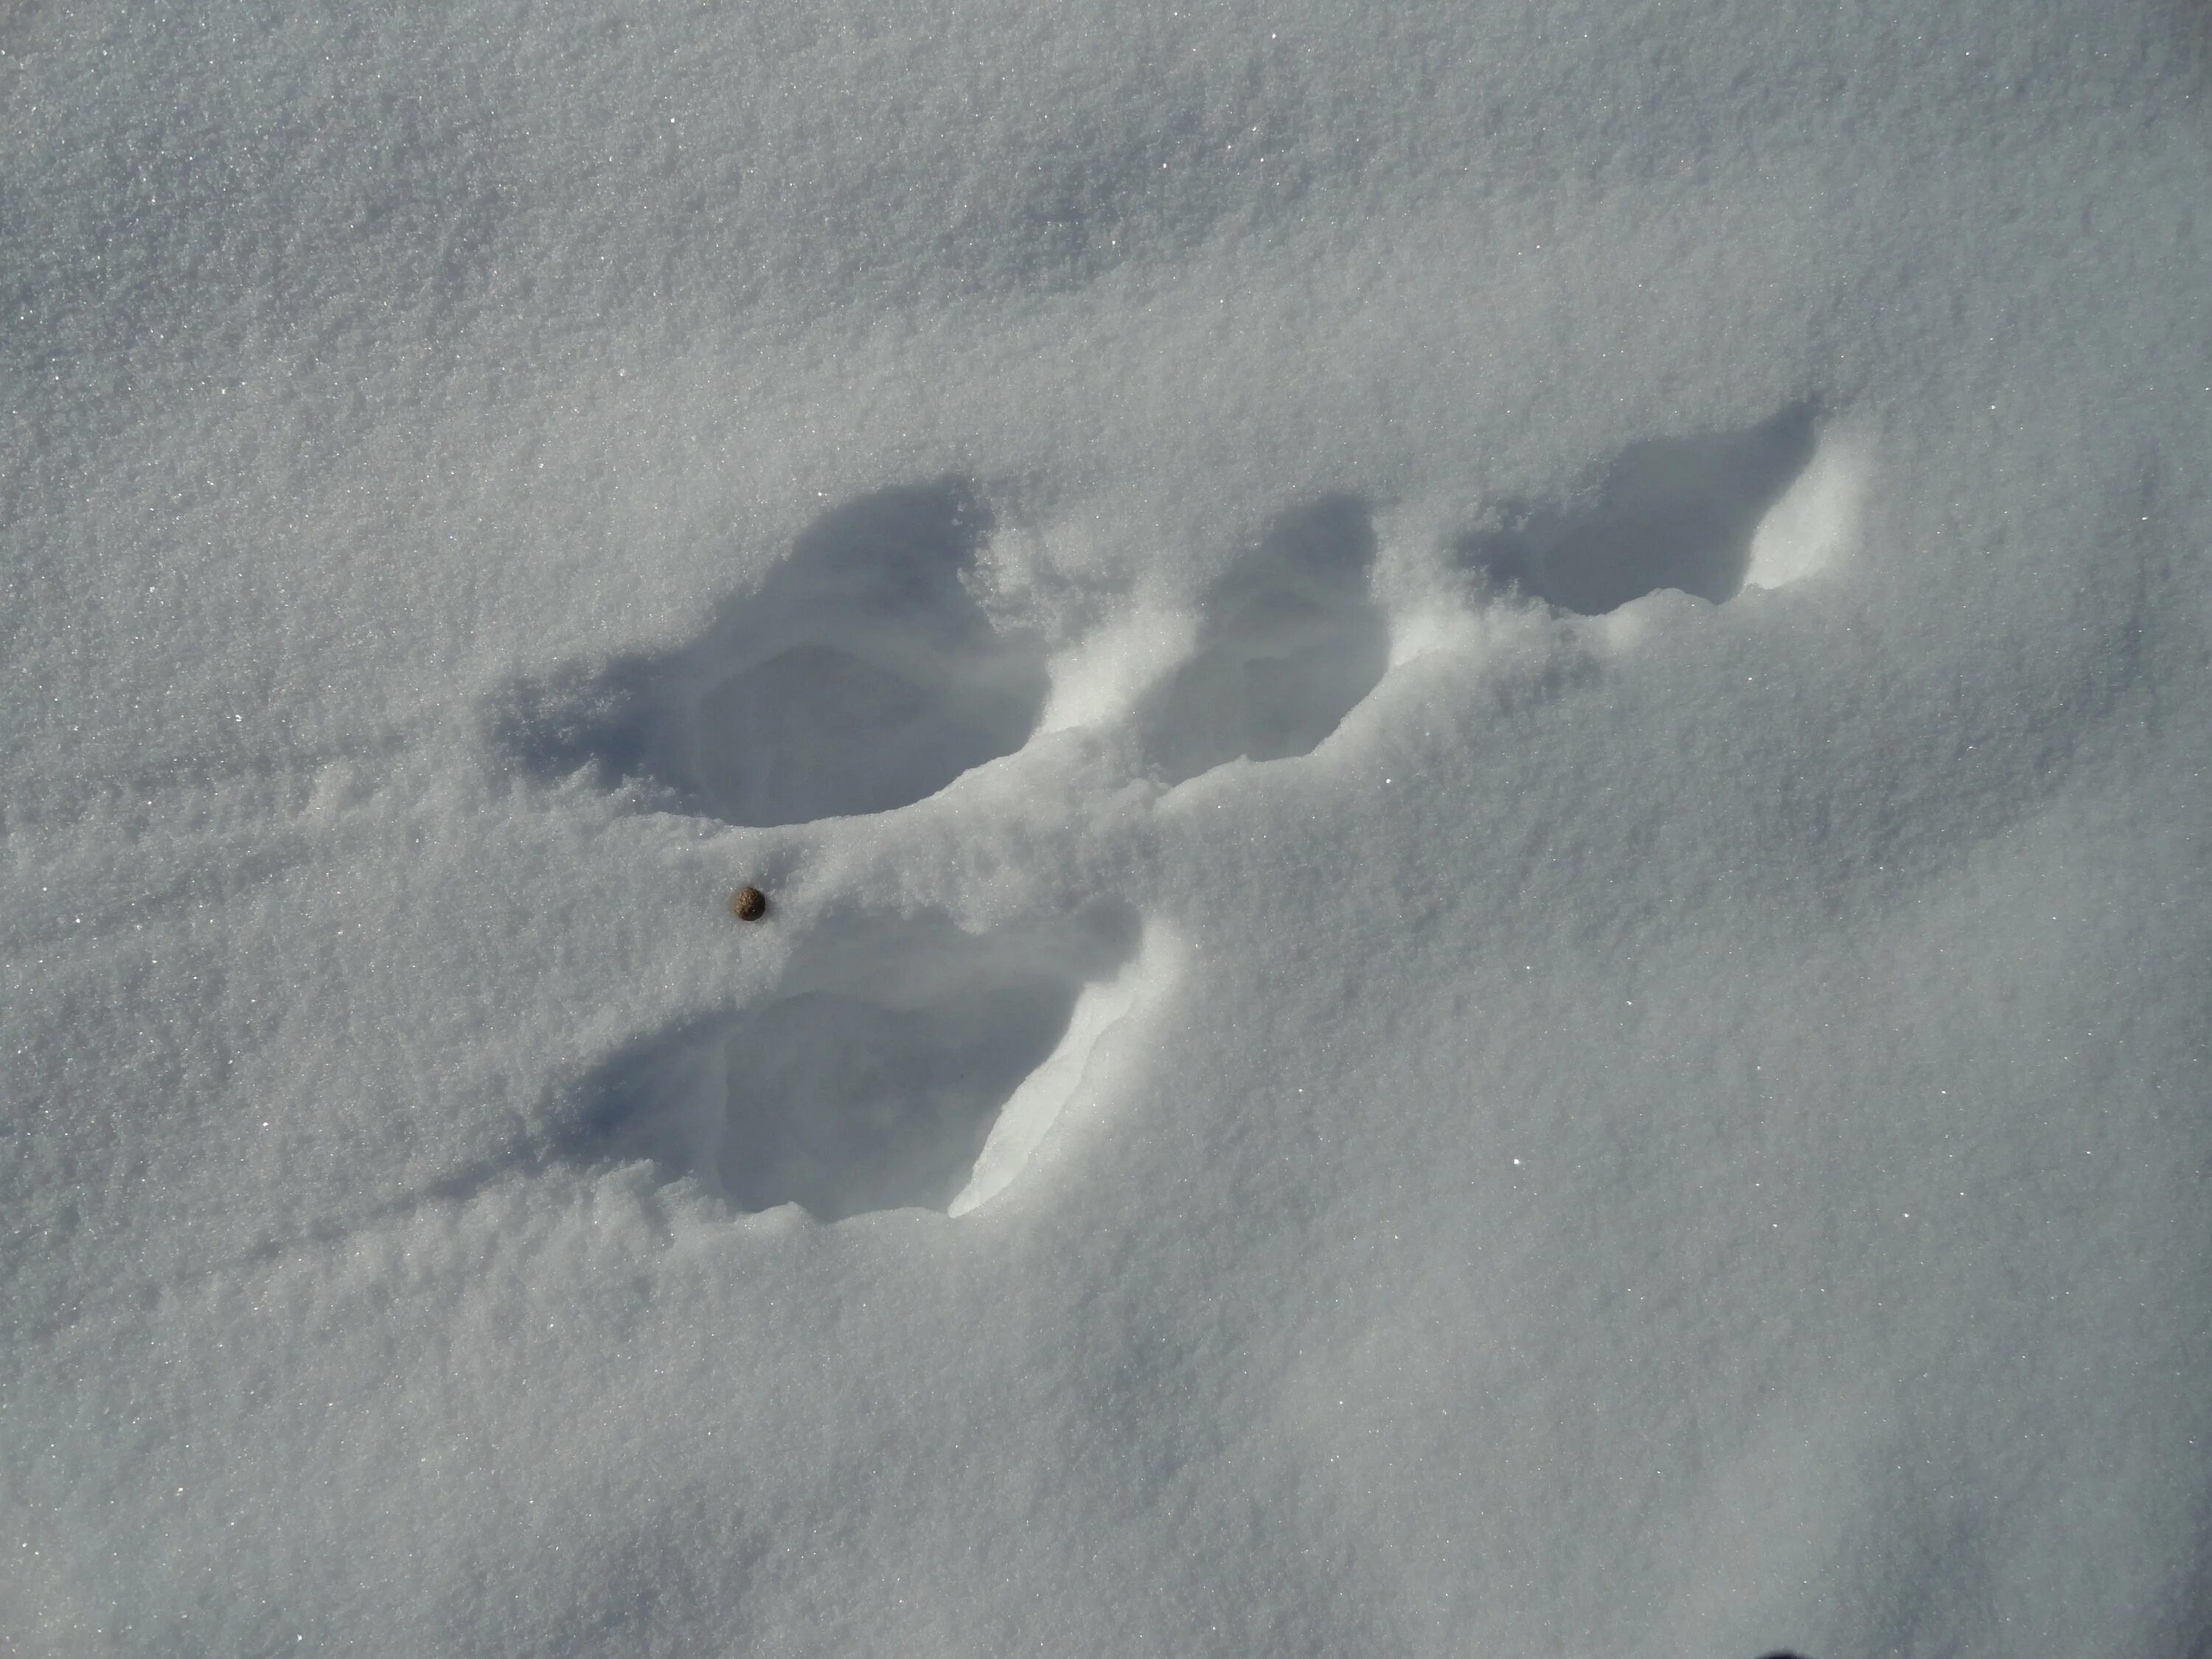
point(874, 1077)
point(1668, 512)
point(905, 1063)
point(862, 676)
point(1289, 643)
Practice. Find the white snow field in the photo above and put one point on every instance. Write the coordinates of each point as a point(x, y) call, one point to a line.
point(1481, 734)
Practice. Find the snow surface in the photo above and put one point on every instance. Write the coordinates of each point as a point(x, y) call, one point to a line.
point(1480, 736)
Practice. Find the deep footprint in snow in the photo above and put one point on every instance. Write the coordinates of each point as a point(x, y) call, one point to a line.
point(862, 676)
point(1668, 512)
point(912, 1065)
point(1289, 642)
point(873, 1079)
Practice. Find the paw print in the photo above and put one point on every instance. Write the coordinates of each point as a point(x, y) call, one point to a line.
point(901, 1060)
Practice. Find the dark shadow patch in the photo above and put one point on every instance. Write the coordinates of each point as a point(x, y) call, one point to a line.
point(1289, 644)
point(1668, 512)
point(862, 675)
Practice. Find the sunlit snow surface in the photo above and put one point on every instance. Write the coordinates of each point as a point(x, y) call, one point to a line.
point(1478, 734)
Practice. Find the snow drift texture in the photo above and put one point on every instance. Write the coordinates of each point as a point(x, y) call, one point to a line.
point(1479, 733)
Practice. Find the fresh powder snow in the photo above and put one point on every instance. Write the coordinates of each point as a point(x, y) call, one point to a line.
point(1480, 736)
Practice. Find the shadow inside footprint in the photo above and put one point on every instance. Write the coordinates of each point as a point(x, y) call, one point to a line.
point(1289, 644)
point(862, 675)
point(872, 1083)
point(1668, 512)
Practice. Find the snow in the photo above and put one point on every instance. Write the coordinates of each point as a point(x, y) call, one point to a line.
point(1478, 735)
